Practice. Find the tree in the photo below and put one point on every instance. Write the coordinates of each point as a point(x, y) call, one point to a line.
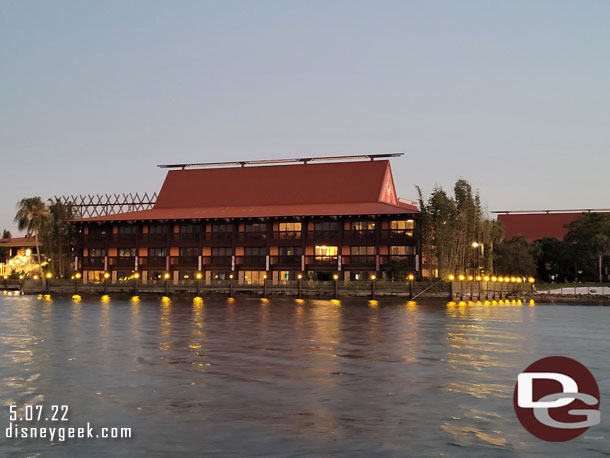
point(31, 217)
point(515, 257)
point(590, 237)
point(4, 252)
point(58, 235)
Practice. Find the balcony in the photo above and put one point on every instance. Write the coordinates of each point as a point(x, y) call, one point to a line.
point(286, 238)
point(93, 240)
point(323, 237)
point(322, 261)
point(123, 240)
point(122, 262)
point(153, 262)
point(258, 262)
point(397, 236)
point(252, 238)
point(186, 239)
point(217, 261)
point(409, 260)
point(185, 262)
point(363, 261)
point(364, 237)
point(286, 262)
point(95, 263)
point(218, 238)
point(154, 240)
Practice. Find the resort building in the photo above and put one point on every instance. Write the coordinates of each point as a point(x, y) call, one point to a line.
point(257, 220)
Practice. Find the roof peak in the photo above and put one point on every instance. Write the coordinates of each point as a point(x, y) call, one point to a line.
point(302, 160)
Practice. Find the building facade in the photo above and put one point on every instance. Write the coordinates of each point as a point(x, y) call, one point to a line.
point(257, 222)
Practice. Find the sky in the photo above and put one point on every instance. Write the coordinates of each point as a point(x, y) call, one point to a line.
point(512, 96)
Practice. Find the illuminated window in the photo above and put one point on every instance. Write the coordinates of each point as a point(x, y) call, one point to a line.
point(126, 252)
point(362, 225)
point(402, 225)
point(289, 231)
point(326, 253)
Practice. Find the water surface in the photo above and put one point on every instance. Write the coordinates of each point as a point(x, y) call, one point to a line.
point(291, 378)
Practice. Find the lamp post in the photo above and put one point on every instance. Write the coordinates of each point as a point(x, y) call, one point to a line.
point(198, 277)
point(166, 277)
point(461, 277)
point(77, 276)
point(106, 277)
point(135, 283)
point(49, 276)
point(300, 280)
point(265, 285)
point(411, 277)
point(373, 279)
point(336, 284)
point(230, 285)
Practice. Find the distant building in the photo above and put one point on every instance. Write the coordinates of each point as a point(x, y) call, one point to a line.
point(536, 225)
point(259, 219)
point(17, 255)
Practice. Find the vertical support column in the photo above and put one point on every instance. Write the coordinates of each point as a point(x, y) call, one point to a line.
point(176, 277)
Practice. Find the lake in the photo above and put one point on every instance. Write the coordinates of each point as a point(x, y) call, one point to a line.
point(290, 378)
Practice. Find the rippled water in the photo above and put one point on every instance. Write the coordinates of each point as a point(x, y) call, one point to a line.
point(292, 378)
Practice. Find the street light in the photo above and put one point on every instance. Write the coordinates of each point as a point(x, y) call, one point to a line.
point(410, 277)
point(166, 276)
point(336, 284)
point(106, 277)
point(300, 280)
point(77, 276)
point(49, 275)
point(198, 277)
point(373, 278)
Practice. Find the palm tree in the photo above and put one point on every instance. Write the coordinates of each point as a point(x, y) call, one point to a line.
point(31, 215)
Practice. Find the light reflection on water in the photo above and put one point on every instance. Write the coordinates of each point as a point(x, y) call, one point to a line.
point(285, 377)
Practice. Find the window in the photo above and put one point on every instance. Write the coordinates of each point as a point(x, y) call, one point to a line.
point(222, 251)
point(362, 251)
point(402, 250)
point(98, 230)
point(255, 251)
point(254, 277)
point(157, 252)
point(401, 225)
point(362, 225)
point(290, 251)
point(222, 227)
point(325, 226)
point(189, 251)
point(188, 228)
point(158, 229)
point(288, 231)
point(255, 227)
point(97, 252)
point(326, 253)
point(128, 229)
point(126, 252)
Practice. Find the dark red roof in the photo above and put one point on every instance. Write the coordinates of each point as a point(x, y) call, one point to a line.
point(343, 188)
point(534, 226)
point(20, 242)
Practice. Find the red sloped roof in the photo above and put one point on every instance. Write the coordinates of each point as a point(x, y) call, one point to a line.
point(21, 242)
point(345, 188)
point(534, 226)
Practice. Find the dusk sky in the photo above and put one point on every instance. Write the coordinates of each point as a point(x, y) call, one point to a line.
point(513, 96)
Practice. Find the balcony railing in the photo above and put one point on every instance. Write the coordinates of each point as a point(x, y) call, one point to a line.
point(154, 240)
point(322, 261)
point(127, 262)
point(326, 237)
point(123, 240)
point(96, 262)
point(397, 235)
point(359, 260)
point(251, 261)
point(359, 237)
point(185, 239)
point(286, 235)
point(251, 236)
point(184, 261)
point(217, 261)
point(153, 261)
point(293, 261)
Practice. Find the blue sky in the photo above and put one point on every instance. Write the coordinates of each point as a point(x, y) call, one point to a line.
point(513, 96)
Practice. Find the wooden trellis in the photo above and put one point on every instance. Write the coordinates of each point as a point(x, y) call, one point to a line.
point(90, 205)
